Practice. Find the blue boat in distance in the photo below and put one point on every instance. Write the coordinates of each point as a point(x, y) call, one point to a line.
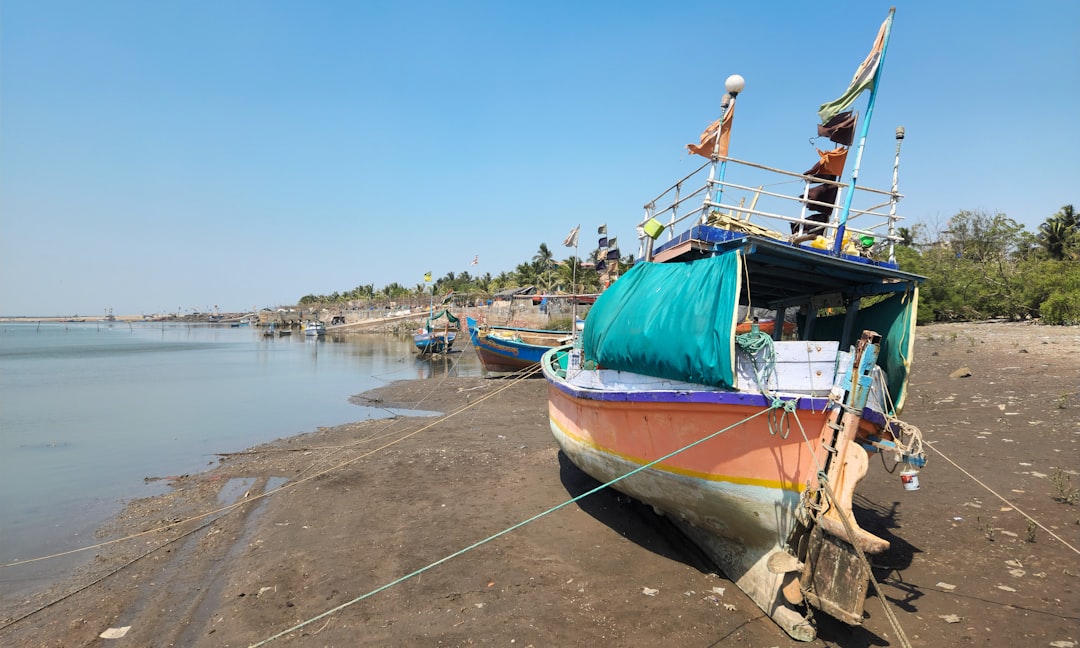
point(507, 349)
point(430, 339)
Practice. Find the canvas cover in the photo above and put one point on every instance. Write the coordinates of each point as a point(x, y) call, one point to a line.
point(453, 319)
point(894, 320)
point(669, 320)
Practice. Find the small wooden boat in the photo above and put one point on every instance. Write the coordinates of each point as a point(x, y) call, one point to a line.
point(429, 339)
point(509, 349)
point(434, 341)
point(751, 443)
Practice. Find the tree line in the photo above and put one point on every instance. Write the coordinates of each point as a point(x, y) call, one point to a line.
point(545, 272)
point(985, 265)
point(980, 265)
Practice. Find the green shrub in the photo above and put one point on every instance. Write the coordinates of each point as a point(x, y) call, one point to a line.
point(1061, 308)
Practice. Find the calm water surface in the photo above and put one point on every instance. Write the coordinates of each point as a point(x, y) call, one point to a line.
point(88, 410)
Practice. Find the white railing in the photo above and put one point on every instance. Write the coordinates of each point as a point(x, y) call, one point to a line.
point(770, 202)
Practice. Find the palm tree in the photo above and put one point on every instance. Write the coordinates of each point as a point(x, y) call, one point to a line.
point(525, 274)
point(543, 256)
point(541, 263)
point(907, 235)
point(484, 282)
point(1060, 232)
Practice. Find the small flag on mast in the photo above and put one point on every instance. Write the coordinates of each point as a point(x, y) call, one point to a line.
point(715, 138)
point(427, 276)
point(864, 77)
point(602, 229)
point(476, 260)
point(831, 162)
point(571, 238)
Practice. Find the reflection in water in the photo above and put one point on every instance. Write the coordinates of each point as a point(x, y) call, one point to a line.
point(441, 365)
point(88, 411)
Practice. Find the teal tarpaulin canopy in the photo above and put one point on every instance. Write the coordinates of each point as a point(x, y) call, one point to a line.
point(669, 320)
point(443, 313)
point(891, 318)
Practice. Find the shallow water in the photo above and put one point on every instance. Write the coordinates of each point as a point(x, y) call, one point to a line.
point(89, 410)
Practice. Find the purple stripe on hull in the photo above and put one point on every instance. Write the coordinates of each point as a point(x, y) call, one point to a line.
point(672, 396)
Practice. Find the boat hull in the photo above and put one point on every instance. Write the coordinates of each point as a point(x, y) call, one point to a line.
point(737, 494)
point(434, 342)
point(499, 351)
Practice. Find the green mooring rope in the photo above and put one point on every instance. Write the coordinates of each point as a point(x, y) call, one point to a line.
point(513, 528)
point(752, 343)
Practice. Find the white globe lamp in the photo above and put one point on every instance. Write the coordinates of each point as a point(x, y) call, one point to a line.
point(735, 84)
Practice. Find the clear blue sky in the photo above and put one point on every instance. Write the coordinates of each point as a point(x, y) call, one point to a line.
point(180, 154)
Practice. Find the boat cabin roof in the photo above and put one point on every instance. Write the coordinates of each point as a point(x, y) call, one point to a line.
point(783, 274)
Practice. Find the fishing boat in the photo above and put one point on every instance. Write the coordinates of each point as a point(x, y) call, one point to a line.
point(315, 328)
point(428, 342)
point(752, 443)
point(429, 339)
point(510, 349)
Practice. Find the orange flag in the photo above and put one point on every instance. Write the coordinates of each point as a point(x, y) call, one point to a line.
point(715, 138)
point(831, 162)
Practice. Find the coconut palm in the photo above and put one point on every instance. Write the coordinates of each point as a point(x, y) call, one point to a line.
point(543, 256)
point(1059, 233)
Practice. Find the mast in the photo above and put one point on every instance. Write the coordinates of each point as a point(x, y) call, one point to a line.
point(838, 244)
point(573, 280)
point(895, 194)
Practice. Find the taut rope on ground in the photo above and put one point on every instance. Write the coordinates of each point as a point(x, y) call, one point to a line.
point(507, 530)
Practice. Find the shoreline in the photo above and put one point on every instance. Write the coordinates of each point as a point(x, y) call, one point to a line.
point(398, 494)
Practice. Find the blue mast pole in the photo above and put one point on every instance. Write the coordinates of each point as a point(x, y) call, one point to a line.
point(727, 103)
point(838, 245)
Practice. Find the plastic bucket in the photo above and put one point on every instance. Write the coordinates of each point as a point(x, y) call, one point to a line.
point(909, 477)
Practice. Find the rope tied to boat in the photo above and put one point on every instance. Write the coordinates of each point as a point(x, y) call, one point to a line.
point(753, 343)
point(907, 437)
point(779, 409)
point(507, 530)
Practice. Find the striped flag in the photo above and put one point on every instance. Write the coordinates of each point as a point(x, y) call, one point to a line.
point(864, 77)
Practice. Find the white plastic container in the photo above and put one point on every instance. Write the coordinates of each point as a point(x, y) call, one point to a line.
point(909, 477)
